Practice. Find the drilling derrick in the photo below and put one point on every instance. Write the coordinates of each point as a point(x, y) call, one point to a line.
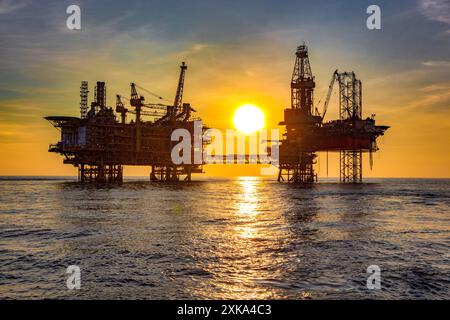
point(296, 162)
point(302, 83)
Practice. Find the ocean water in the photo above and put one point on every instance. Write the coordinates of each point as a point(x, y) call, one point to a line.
point(245, 238)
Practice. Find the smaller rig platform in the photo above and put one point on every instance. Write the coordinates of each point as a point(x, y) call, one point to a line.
point(307, 133)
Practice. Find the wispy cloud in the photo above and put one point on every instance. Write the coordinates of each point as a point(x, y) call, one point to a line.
point(436, 101)
point(8, 6)
point(198, 47)
point(434, 63)
point(437, 87)
point(437, 10)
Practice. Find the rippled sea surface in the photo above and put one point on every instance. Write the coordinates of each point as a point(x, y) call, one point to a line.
point(246, 238)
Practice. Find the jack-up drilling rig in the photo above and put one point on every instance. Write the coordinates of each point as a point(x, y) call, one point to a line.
point(307, 133)
point(99, 145)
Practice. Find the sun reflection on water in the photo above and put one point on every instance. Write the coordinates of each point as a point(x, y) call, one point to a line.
point(248, 200)
point(247, 255)
point(247, 207)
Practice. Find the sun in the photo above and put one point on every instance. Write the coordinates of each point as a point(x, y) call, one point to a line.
point(248, 119)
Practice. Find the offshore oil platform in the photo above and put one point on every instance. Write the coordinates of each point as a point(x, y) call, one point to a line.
point(307, 133)
point(100, 142)
point(100, 145)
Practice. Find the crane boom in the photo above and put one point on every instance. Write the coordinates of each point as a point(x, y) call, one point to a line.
point(172, 113)
point(330, 90)
point(179, 95)
point(121, 108)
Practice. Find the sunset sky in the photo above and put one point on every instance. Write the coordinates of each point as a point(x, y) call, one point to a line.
point(238, 52)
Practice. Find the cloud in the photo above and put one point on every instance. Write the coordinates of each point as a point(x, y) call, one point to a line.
point(435, 63)
point(436, 10)
point(8, 6)
point(198, 47)
point(436, 101)
point(437, 87)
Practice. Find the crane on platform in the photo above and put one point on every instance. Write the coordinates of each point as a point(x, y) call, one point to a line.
point(179, 95)
point(350, 95)
point(122, 110)
point(179, 110)
point(161, 112)
point(330, 91)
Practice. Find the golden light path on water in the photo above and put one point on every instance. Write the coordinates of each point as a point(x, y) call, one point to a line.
point(249, 252)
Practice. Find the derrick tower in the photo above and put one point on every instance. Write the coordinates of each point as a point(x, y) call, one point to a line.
point(302, 83)
point(297, 162)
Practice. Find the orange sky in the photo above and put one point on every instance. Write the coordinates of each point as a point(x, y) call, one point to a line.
point(405, 85)
point(416, 145)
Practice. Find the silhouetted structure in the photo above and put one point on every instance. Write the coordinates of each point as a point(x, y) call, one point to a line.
point(307, 133)
point(99, 145)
